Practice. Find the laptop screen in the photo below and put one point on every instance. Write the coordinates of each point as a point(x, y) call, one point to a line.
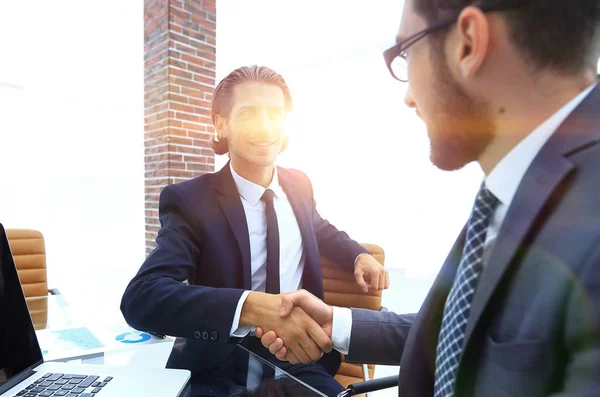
point(19, 348)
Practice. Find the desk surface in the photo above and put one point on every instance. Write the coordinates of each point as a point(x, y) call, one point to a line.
point(121, 345)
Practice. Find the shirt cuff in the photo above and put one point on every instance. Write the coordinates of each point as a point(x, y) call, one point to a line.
point(341, 329)
point(236, 330)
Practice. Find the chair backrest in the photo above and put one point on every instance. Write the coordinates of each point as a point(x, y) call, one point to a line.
point(29, 252)
point(341, 290)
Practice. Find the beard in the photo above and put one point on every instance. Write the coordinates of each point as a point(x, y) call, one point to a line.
point(462, 126)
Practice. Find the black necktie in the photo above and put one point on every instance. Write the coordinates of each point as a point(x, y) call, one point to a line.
point(272, 244)
point(272, 274)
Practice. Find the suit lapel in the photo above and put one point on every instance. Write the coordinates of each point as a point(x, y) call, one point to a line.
point(298, 205)
point(418, 360)
point(304, 219)
point(541, 180)
point(534, 191)
point(231, 204)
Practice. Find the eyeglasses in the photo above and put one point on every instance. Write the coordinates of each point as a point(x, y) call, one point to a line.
point(396, 56)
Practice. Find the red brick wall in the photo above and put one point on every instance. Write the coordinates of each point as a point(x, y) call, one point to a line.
point(179, 78)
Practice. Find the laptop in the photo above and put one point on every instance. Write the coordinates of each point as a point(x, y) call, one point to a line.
point(23, 371)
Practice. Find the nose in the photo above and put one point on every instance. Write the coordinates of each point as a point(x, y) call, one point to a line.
point(409, 99)
point(265, 126)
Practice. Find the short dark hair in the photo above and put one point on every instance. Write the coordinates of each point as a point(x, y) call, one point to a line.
point(222, 99)
point(563, 35)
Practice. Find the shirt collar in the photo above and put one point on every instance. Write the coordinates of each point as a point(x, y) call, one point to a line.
point(250, 191)
point(506, 176)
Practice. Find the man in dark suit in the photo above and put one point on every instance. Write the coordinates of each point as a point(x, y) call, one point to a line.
point(515, 309)
point(227, 238)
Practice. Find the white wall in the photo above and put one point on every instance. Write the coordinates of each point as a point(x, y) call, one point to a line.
point(71, 138)
point(71, 130)
point(367, 154)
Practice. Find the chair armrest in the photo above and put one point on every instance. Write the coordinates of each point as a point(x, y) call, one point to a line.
point(370, 386)
point(60, 309)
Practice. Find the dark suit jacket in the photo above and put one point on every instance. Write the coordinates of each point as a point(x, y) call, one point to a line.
point(534, 326)
point(204, 239)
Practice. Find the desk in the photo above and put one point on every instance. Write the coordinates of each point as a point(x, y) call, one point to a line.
point(146, 352)
point(64, 337)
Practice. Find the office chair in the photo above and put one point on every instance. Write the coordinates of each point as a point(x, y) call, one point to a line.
point(29, 252)
point(341, 290)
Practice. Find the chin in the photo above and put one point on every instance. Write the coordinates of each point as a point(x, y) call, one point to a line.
point(451, 153)
point(262, 161)
point(446, 161)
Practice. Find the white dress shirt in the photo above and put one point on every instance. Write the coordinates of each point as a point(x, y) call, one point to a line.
point(291, 252)
point(503, 182)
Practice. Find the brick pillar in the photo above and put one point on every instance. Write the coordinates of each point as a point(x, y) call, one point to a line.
point(179, 78)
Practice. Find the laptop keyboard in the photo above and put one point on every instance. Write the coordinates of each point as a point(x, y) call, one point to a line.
point(65, 385)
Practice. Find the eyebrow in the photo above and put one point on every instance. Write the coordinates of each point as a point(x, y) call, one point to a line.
point(247, 107)
point(252, 107)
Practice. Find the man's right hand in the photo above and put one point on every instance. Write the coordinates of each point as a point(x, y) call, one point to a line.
point(304, 337)
point(290, 302)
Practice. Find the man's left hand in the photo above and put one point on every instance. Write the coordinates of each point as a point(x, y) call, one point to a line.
point(370, 274)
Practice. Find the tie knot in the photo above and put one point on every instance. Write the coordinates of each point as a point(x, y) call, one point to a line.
point(485, 203)
point(267, 196)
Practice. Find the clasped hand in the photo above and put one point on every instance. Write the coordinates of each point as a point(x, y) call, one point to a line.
point(307, 312)
point(303, 330)
point(306, 336)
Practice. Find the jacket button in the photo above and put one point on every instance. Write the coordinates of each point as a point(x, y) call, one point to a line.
point(205, 335)
point(197, 334)
point(214, 335)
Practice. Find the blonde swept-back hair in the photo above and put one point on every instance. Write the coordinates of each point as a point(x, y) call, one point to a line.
point(222, 99)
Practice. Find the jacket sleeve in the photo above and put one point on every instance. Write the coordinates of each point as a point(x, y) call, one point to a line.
point(157, 299)
point(378, 337)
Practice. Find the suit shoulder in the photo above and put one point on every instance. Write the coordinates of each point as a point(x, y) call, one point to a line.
point(294, 173)
point(191, 185)
point(193, 190)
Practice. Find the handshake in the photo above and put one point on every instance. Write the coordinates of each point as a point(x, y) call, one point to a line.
point(297, 326)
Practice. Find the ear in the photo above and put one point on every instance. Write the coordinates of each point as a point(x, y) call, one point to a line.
point(221, 126)
point(473, 30)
